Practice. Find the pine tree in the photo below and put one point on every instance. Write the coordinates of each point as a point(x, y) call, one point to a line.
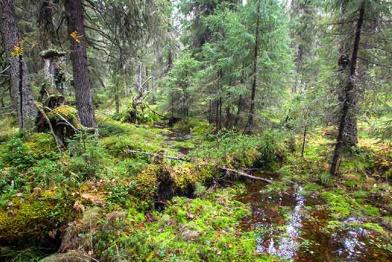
point(21, 91)
point(77, 37)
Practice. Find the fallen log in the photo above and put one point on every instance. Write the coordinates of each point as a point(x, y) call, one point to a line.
point(240, 173)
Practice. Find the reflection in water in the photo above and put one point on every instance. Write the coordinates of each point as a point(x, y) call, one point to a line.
point(288, 245)
point(351, 246)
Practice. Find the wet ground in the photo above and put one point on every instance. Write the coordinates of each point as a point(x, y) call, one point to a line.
point(292, 225)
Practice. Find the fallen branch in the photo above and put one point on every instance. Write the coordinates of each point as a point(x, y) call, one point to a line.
point(240, 173)
point(164, 117)
point(59, 143)
point(157, 155)
point(63, 118)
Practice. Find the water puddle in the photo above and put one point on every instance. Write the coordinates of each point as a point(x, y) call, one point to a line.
point(287, 246)
point(293, 227)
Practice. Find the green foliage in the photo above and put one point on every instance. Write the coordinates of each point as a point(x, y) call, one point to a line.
point(338, 204)
point(88, 158)
point(47, 172)
point(180, 84)
point(326, 179)
point(233, 149)
point(17, 155)
point(190, 229)
point(119, 194)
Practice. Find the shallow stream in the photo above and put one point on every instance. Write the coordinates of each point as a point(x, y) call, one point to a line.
point(292, 225)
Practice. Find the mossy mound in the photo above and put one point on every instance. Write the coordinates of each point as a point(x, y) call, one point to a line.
point(40, 145)
point(32, 218)
point(65, 111)
point(203, 229)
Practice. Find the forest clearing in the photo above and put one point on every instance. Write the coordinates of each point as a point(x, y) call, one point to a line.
point(195, 130)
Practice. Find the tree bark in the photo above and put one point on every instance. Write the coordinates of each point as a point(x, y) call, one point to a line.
point(304, 141)
point(349, 92)
point(117, 94)
point(77, 36)
point(350, 134)
point(21, 91)
point(249, 125)
point(239, 105)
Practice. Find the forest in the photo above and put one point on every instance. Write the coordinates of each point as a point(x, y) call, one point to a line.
point(195, 130)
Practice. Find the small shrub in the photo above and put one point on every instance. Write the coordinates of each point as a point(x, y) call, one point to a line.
point(17, 155)
point(48, 172)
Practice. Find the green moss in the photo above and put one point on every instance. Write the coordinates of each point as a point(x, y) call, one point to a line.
point(338, 204)
point(192, 230)
point(312, 187)
point(143, 187)
point(370, 210)
point(41, 145)
point(27, 218)
point(133, 138)
point(65, 111)
point(373, 226)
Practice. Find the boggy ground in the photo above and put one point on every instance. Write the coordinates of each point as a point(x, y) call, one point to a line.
point(105, 199)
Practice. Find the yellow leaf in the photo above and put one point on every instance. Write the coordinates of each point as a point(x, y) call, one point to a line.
point(17, 50)
point(75, 36)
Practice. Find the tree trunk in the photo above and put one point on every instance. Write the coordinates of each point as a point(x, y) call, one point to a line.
point(350, 137)
point(47, 30)
point(77, 36)
point(210, 112)
point(304, 141)
point(117, 95)
point(21, 91)
point(237, 117)
point(349, 91)
point(2, 100)
point(220, 114)
point(249, 125)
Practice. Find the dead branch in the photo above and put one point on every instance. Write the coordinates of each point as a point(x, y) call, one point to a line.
point(63, 118)
point(240, 173)
point(59, 144)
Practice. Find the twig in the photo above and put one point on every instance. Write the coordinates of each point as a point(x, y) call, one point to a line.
point(229, 170)
point(5, 70)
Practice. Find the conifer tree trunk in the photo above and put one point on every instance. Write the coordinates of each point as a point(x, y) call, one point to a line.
point(21, 91)
point(77, 36)
point(349, 92)
point(249, 125)
point(350, 134)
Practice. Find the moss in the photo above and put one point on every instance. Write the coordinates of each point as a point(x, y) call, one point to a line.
point(41, 145)
point(338, 204)
point(373, 226)
point(144, 186)
point(65, 111)
point(188, 174)
point(192, 230)
point(183, 175)
point(312, 187)
point(31, 218)
point(133, 138)
point(370, 210)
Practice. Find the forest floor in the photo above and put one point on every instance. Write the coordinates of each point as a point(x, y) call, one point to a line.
point(145, 193)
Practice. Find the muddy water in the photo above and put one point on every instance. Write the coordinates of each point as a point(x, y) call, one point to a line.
point(293, 227)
